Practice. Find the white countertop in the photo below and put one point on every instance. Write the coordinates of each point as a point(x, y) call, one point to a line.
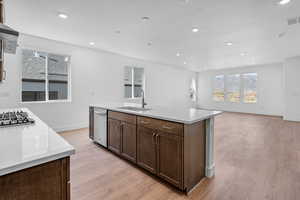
point(177, 114)
point(30, 145)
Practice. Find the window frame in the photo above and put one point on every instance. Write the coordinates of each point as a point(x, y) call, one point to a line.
point(227, 90)
point(132, 83)
point(47, 101)
point(242, 87)
point(213, 90)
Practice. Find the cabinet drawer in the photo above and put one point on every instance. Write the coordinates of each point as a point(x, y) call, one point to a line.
point(164, 126)
point(122, 117)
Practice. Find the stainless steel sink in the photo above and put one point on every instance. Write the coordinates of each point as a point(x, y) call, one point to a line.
point(134, 108)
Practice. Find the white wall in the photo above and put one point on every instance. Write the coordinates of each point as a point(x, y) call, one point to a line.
point(96, 77)
point(292, 89)
point(270, 90)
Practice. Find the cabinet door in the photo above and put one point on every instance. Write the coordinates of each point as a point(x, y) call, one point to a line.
point(169, 158)
point(146, 149)
point(91, 123)
point(129, 141)
point(114, 135)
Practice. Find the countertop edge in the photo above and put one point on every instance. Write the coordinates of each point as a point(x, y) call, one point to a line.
point(158, 117)
point(29, 164)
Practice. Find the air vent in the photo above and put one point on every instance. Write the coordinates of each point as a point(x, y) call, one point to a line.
point(292, 21)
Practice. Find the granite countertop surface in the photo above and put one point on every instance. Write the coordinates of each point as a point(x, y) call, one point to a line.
point(26, 146)
point(183, 115)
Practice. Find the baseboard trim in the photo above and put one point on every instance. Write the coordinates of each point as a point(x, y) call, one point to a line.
point(71, 127)
point(290, 120)
point(210, 171)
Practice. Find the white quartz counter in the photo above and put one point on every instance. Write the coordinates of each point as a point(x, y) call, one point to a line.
point(177, 114)
point(30, 145)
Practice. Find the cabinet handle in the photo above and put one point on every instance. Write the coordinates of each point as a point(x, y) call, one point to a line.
point(121, 137)
point(4, 75)
point(156, 138)
point(167, 127)
point(153, 136)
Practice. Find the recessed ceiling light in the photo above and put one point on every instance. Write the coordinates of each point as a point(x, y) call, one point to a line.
point(178, 54)
point(184, 63)
point(63, 15)
point(243, 54)
point(92, 43)
point(195, 29)
point(284, 2)
point(67, 59)
point(229, 43)
point(145, 18)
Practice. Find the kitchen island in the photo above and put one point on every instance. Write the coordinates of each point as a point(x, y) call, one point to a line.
point(175, 144)
point(34, 162)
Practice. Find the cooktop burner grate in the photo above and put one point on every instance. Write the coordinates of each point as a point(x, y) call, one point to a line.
point(15, 118)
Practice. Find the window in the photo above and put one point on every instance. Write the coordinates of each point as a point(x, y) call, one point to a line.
point(45, 77)
point(236, 84)
point(250, 87)
point(219, 88)
point(233, 88)
point(133, 82)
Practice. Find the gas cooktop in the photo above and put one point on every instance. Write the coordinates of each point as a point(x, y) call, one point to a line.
point(15, 118)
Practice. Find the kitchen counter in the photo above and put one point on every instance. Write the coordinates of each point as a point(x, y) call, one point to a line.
point(179, 114)
point(186, 132)
point(22, 147)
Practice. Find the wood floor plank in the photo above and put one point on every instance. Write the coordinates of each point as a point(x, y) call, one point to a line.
point(256, 157)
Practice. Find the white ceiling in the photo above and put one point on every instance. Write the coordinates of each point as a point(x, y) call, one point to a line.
point(252, 26)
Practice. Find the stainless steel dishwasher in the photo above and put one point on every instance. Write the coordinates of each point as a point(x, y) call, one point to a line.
point(100, 126)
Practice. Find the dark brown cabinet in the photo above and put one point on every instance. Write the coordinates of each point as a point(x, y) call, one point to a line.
point(173, 151)
point(48, 181)
point(1, 71)
point(169, 158)
point(146, 149)
point(122, 135)
point(161, 153)
point(91, 124)
point(114, 135)
point(128, 134)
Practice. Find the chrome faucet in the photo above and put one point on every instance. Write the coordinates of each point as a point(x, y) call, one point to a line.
point(143, 99)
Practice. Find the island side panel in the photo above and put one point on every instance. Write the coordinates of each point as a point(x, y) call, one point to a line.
point(194, 153)
point(210, 165)
point(47, 181)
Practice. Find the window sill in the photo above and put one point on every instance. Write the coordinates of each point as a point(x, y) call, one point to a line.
point(46, 102)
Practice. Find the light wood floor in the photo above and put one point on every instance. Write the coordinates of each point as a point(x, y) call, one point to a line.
point(257, 158)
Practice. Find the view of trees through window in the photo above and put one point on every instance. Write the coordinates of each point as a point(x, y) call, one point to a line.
point(250, 87)
point(219, 88)
point(232, 85)
point(233, 88)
